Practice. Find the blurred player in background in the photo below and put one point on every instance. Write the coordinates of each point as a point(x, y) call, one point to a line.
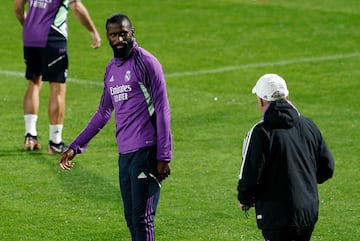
point(284, 158)
point(45, 53)
point(135, 89)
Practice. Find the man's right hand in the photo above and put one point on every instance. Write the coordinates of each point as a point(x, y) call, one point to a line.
point(65, 160)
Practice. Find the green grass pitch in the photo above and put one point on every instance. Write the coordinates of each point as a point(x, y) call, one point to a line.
point(209, 49)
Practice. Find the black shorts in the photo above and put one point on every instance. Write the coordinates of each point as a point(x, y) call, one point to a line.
point(51, 63)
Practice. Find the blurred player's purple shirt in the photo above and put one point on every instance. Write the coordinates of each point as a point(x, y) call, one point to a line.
point(135, 89)
point(46, 20)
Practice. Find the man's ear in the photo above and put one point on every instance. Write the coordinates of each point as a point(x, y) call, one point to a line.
point(262, 104)
point(133, 32)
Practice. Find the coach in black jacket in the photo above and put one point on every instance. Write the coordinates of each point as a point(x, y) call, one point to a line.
point(284, 158)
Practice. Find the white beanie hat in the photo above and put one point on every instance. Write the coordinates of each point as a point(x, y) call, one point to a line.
point(271, 87)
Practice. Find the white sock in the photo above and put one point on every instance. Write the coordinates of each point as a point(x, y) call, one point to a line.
point(56, 133)
point(30, 124)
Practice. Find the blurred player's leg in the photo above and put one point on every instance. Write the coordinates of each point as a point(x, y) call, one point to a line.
point(55, 66)
point(31, 109)
point(56, 112)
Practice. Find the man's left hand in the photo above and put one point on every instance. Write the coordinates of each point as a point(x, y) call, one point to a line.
point(163, 170)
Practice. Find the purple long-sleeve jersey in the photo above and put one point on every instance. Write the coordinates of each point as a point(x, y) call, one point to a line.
point(135, 89)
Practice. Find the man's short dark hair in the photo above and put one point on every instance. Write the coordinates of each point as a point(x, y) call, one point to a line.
point(118, 18)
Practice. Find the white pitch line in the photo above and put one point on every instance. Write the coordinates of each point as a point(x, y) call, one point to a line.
point(265, 64)
point(216, 70)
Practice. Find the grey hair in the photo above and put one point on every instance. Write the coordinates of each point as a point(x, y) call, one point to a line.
point(278, 95)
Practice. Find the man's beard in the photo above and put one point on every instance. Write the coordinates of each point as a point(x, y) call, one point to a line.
point(124, 51)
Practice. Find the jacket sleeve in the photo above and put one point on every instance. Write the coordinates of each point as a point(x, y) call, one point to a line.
point(325, 163)
point(96, 123)
point(253, 160)
point(157, 89)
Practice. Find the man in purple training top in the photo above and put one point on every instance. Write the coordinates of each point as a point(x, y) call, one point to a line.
point(45, 53)
point(135, 89)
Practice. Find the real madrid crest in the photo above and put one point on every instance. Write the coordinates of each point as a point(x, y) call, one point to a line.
point(127, 76)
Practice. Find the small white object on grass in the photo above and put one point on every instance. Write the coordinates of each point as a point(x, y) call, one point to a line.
point(215, 98)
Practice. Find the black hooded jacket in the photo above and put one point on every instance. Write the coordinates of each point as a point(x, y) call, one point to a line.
point(284, 158)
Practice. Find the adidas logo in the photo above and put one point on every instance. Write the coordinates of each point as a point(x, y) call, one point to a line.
point(142, 175)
